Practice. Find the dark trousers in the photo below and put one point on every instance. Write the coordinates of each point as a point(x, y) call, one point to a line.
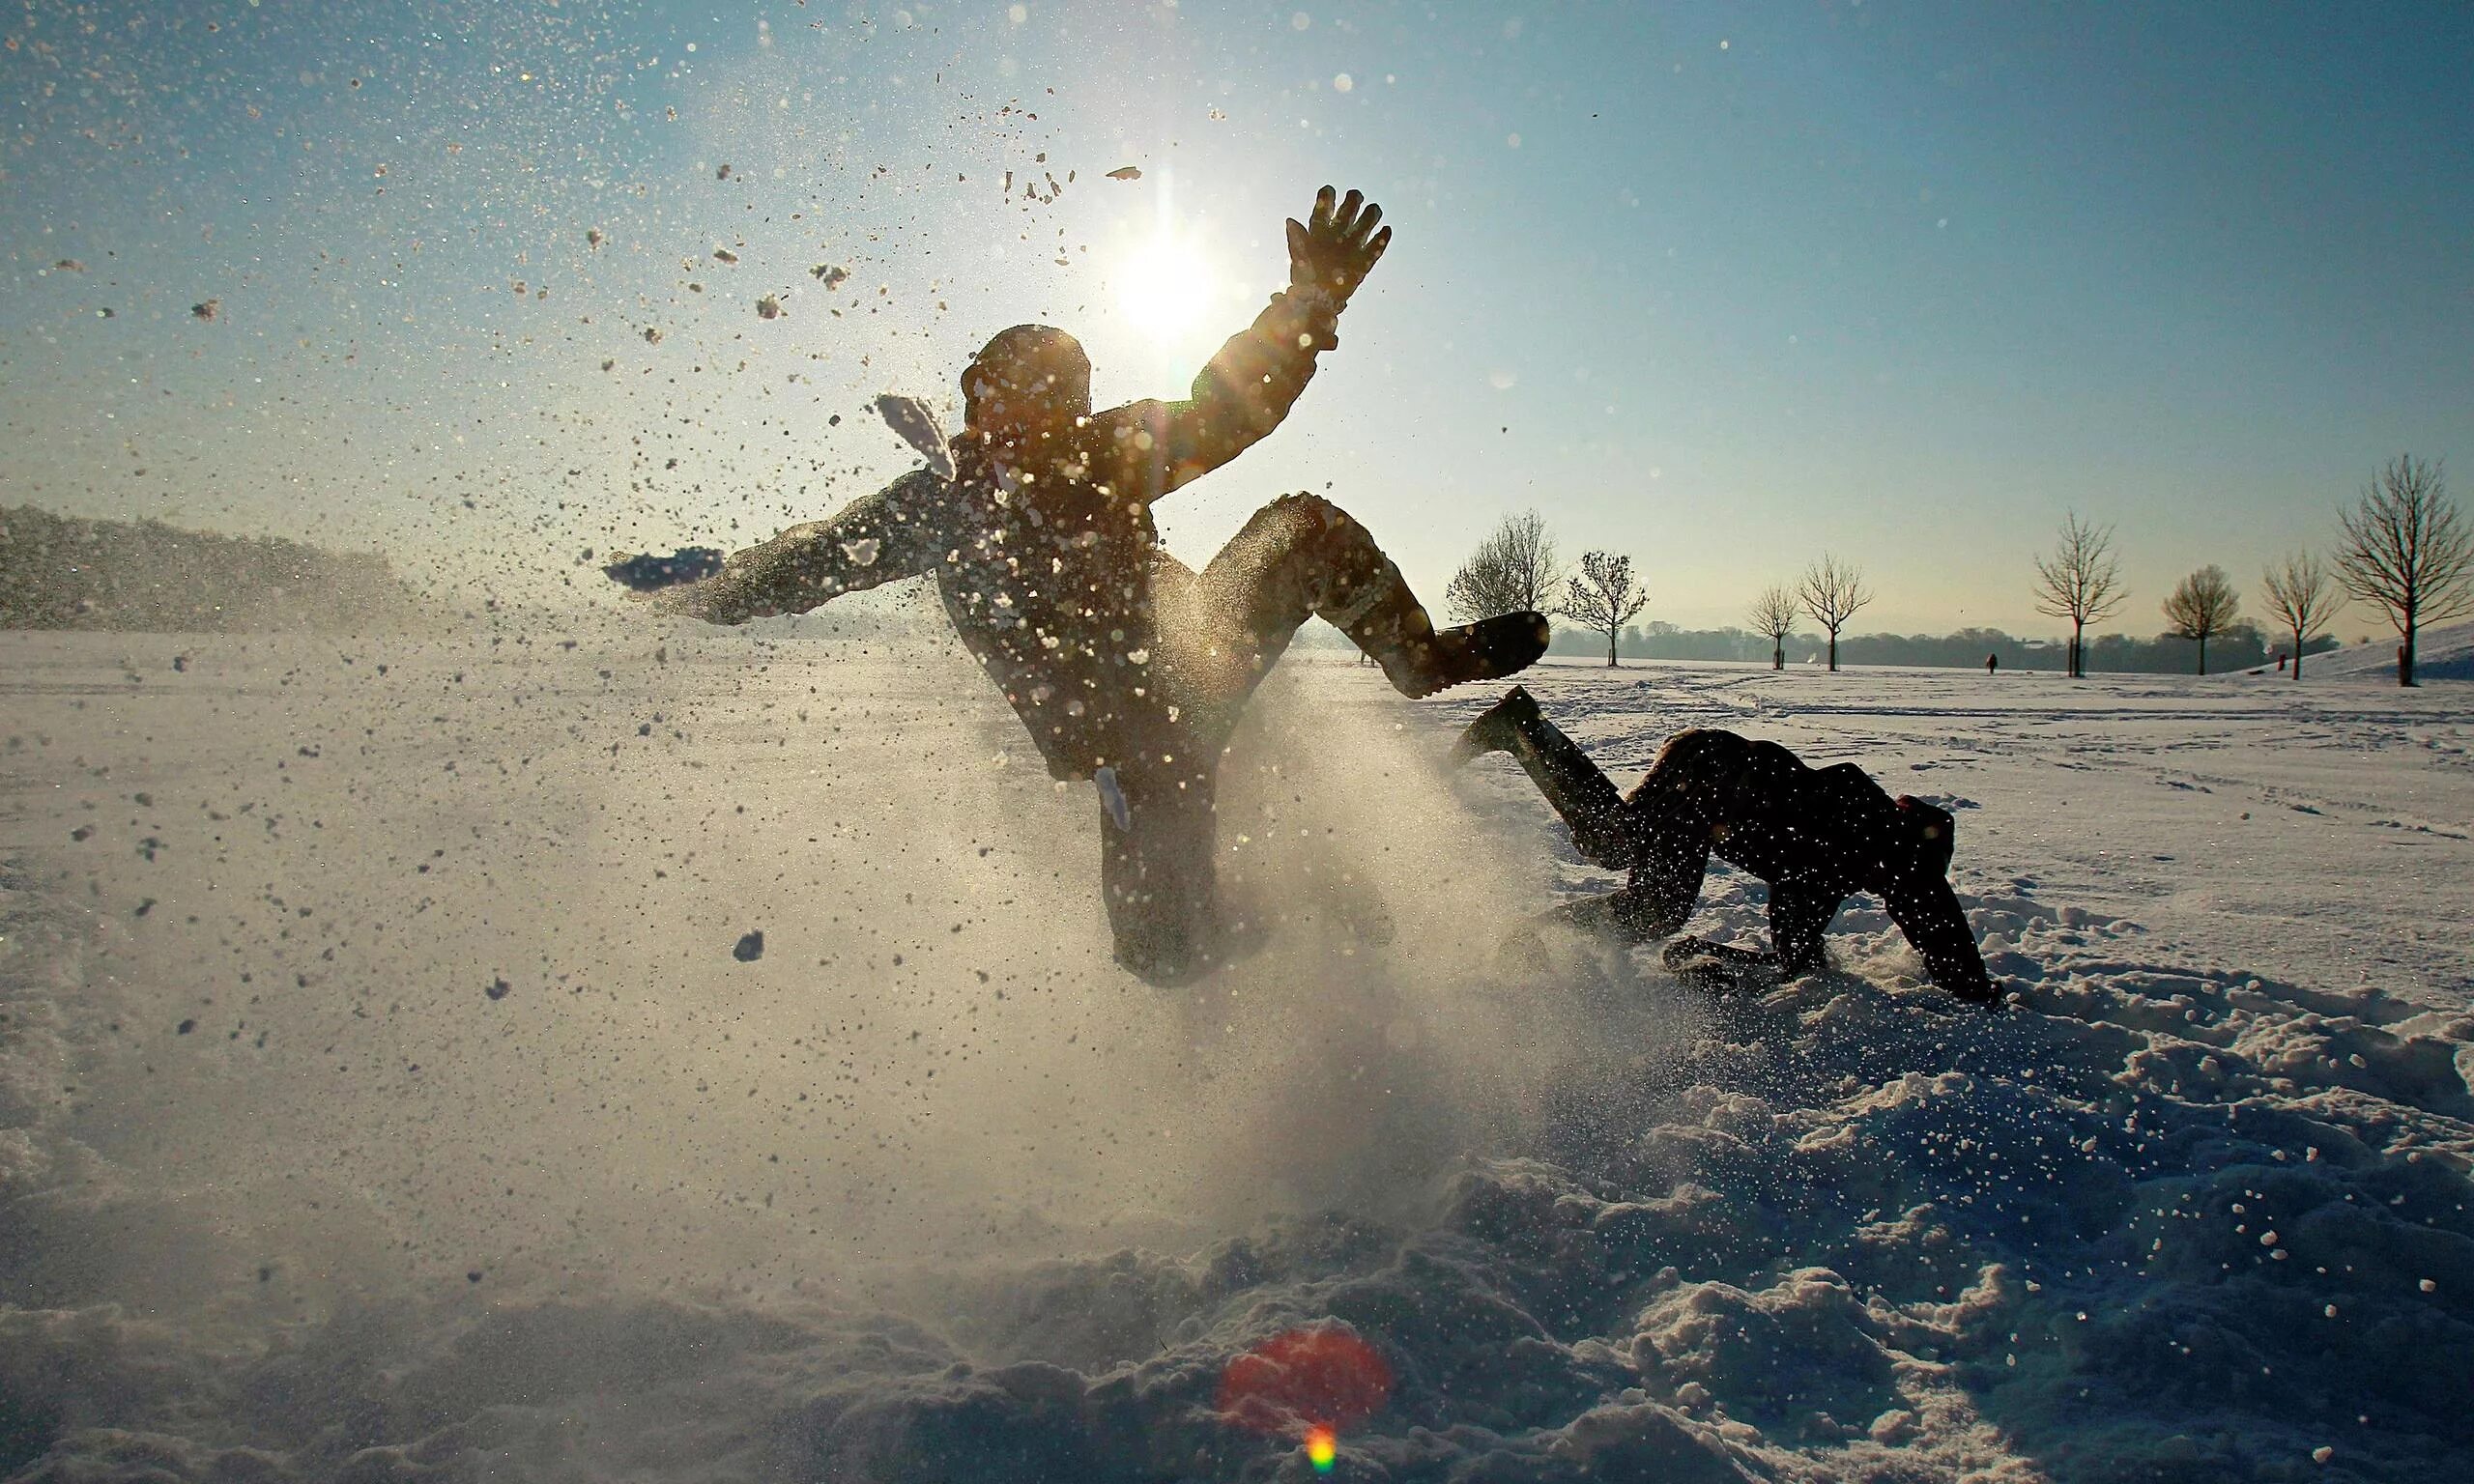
point(1221, 630)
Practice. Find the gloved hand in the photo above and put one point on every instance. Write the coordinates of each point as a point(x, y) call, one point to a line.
point(1336, 246)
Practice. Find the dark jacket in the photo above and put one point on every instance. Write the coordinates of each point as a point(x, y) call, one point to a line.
point(1043, 555)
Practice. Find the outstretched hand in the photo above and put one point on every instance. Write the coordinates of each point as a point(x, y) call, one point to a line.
point(712, 599)
point(688, 600)
point(682, 600)
point(1338, 245)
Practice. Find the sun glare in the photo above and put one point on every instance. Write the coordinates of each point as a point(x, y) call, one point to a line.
point(1165, 286)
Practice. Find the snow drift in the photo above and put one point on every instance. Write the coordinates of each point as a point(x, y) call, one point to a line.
point(2444, 653)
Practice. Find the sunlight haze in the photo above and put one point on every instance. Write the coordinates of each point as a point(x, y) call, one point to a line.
point(1717, 288)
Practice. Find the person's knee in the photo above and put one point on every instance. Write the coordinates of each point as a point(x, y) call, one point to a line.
point(1300, 522)
point(1156, 874)
point(1305, 508)
point(1302, 555)
point(1608, 839)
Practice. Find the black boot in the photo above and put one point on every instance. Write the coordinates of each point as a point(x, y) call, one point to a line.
point(1497, 729)
point(1419, 659)
point(1489, 650)
point(1722, 968)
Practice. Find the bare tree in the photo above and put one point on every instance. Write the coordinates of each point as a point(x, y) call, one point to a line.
point(2302, 599)
point(1512, 571)
point(1775, 614)
point(2202, 603)
point(2405, 553)
point(1604, 597)
point(2081, 581)
point(1831, 592)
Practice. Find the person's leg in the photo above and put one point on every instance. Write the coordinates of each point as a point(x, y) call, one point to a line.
point(1798, 916)
point(1573, 787)
point(1930, 834)
point(1157, 831)
point(1718, 965)
point(1927, 912)
point(1158, 837)
point(1623, 916)
point(1914, 887)
point(1300, 556)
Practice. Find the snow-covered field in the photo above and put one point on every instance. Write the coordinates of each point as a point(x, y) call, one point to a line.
point(390, 1087)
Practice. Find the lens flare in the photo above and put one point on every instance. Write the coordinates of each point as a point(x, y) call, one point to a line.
point(1326, 1379)
point(1322, 1448)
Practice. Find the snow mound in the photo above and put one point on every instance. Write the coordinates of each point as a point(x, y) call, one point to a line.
point(2444, 653)
point(2151, 1220)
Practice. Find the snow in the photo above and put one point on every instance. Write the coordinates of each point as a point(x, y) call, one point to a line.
point(485, 1155)
point(2443, 653)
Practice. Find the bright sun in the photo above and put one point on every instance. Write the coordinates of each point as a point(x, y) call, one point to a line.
point(1165, 286)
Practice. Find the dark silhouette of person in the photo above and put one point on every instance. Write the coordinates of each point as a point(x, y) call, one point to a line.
point(1993, 664)
point(1126, 667)
point(1815, 835)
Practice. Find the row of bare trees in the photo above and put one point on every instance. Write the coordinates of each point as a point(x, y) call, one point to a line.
point(1515, 570)
point(2300, 597)
point(1829, 592)
point(2401, 549)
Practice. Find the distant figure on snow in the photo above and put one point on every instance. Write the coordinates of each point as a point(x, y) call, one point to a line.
point(1127, 667)
point(1992, 663)
point(1816, 836)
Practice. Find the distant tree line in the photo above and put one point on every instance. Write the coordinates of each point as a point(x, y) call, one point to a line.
point(2403, 551)
point(66, 572)
point(2244, 647)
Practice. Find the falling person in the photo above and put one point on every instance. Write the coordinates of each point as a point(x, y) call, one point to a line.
point(1127, 667)
point(1815, 835)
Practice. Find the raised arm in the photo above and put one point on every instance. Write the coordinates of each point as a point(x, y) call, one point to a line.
point(1149, 449)
point(883, 538)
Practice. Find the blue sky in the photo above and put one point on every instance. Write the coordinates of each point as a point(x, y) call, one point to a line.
point(1720, 287)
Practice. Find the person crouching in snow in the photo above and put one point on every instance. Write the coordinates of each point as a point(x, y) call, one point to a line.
point(1127, 667)
point(1815, 835)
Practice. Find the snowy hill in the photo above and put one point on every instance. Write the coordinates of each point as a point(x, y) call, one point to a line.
point(2445, 653)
